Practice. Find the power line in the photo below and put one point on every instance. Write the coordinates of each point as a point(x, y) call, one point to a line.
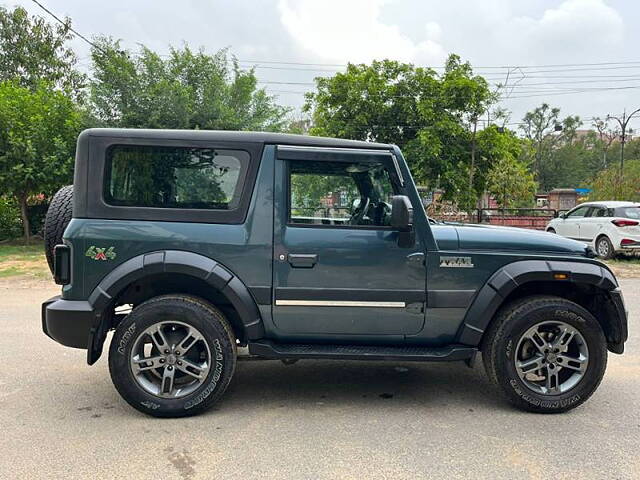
point(503, 67)
point(68, 26)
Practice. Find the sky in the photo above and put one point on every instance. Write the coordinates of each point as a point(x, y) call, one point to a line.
point(582, 56)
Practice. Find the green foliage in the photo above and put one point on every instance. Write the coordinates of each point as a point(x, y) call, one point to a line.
point(510, 183)
point(39, 130)
point(32, 51)
point(10, 226)
point(426, 114)
point(553, 154)
point(189, 90)
point(609, 186)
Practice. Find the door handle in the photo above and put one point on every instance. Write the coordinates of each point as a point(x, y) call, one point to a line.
point(302, 260)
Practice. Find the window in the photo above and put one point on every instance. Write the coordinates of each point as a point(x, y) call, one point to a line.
point(599, 212)
point(629, 212)
point(340, 194)
point(174, 177)
point(578, 212)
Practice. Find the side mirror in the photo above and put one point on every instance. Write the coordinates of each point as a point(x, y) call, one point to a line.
point(402, 220)
point(563, 216)
point(401, 213)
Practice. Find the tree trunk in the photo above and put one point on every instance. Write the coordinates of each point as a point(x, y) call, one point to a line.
point(473, 160)
point(22, 200)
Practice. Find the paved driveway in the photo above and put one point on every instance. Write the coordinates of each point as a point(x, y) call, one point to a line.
point(60, 418)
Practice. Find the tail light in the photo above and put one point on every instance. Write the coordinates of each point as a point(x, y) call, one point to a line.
point(625, 223)
point(62, 264)
point(627, 241)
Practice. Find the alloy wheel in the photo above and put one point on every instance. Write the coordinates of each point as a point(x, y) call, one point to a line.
point(170, 359)
point(551, 358)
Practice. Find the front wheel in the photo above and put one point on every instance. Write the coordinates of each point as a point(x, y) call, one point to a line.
point(546, 354)
point(173, 356)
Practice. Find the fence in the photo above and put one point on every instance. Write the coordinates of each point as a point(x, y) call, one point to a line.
point(533, 218)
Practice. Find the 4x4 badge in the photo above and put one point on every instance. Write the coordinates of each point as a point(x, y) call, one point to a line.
point(97, 253)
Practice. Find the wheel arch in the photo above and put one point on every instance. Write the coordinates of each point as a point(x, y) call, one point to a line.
point(587, 284)
point(172, 271)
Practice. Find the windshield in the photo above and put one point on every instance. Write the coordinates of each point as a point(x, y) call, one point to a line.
point(629, 212)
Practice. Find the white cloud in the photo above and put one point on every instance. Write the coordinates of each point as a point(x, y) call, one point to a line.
point(575, 29)
point(352, 30)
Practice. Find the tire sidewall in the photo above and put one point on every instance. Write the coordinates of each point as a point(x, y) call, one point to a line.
point(506, 348)
point(205, 318)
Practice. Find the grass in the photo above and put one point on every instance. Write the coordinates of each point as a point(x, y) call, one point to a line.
point(23, 260)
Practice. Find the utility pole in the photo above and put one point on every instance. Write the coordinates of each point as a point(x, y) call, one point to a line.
point(623, 122)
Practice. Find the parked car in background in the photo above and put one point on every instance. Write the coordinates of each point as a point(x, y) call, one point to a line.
point(609, 227)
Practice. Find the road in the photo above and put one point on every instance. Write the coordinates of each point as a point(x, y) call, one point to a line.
point(311, 420)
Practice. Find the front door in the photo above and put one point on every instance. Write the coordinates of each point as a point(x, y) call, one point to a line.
point(570, 225)
point(338, 269)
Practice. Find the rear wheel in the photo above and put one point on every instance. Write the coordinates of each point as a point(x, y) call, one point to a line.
point(173, 356)
point(551, 230)
point(604, 248)
point(546, 354)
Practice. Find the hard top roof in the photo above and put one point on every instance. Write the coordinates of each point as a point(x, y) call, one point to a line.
point(233, 136)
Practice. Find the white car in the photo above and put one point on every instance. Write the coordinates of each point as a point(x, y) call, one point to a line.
point(609, 227)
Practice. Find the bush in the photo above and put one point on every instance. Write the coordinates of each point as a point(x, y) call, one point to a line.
point(10, 224)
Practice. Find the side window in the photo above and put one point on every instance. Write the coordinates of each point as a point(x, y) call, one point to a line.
point(340, 193)
point(578, 212)
point(599, 212)
point(174, 177)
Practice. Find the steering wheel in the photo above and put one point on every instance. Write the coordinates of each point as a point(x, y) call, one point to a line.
point(360, 212)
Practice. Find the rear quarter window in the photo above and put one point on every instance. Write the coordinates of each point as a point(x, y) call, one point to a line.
point(174, 177)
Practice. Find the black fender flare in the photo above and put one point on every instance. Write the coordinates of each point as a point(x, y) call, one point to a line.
point(171, 261)
point(504, 281)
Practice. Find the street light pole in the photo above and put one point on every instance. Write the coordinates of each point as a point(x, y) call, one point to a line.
point(623, 127)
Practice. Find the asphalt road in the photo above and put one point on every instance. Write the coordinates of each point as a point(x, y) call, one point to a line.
point(60, 418)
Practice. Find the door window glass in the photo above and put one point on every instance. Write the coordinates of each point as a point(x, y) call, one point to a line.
point(578, 212)
point(340, 194)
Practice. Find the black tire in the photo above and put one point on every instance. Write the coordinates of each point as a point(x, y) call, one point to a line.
point(58, 217)
point(502, 339)
point(551, 230)
point(604, 248)
point(194, 312)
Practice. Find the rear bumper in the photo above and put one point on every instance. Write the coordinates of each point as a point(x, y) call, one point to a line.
point(68, 322)
point(619, 324)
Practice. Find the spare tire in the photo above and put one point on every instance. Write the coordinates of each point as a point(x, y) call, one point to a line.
point(57, 219)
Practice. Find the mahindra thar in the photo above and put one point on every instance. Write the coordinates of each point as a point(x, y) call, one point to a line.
point(189, 245)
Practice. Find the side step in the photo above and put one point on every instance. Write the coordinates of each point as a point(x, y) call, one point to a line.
point(269, 349)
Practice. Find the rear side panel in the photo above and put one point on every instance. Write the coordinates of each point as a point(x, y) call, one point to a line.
point(245, 248)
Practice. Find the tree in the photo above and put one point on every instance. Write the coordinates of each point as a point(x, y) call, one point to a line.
point(37, 141)
point(510, 183)
point(606, 135)
point(32, 51)
point(429, 116)
point(546, 133)
point(610, 185)
point(190, 90)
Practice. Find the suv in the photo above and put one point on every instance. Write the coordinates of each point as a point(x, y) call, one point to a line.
point(610, 227)
point(191, 244)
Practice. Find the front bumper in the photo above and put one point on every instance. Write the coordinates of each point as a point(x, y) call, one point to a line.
point(68, 322)
point(619, 330)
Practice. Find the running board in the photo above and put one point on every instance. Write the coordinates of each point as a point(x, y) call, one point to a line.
point(269, 349)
